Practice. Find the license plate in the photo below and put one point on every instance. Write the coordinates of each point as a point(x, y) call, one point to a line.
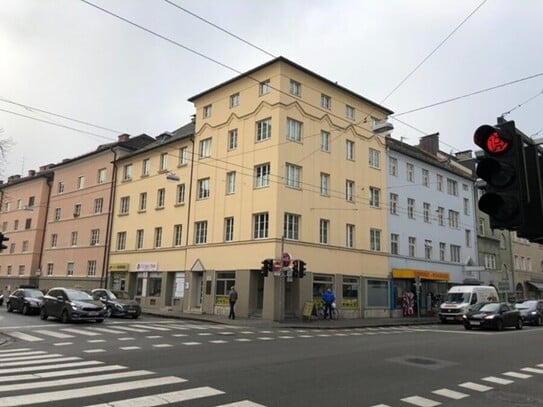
point(131, 311)
point(475, 322)
point(92, 313)
point(450, 318)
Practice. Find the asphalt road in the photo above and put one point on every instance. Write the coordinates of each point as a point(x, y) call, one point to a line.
point(154, 361)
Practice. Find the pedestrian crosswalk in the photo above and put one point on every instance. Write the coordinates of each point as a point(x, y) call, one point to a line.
point(80, 382)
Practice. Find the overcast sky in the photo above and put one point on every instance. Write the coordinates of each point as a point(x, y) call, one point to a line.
point(71, 59)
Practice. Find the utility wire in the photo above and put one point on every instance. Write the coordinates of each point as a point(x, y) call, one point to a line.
point(220, 28)
point(523, 103)
point(433, 51)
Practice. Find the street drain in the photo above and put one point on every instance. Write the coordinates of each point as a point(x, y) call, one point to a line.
point(420, 361)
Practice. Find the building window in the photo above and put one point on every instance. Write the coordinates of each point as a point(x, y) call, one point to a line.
point(325, 184)
point(16, 224)
point(324, 227)
point(228, 229)
point(225, 281)
point(73, 239)
point(425, 178)
point(91, 268)
point(349, 235)
point(468, 237)
point(230, 182)
point(200, 236)
point(101, 176)
point(50, 268)
point(233, 139)
point(142, 205)
point(466, 206)
point(264, 87)
point(393, 204)
point(163, 163)
point(203, 188)
point(394, 243)
point(183, 156)
point(125, 205)
point(4, 226)
point(294, 130)
point(426, 212)
point(375, 240)
point(349, 112)
point(260, 225)
point(295, 88)
point(428, 249)
point(410, 172)
point(139, 239)
point(60, 187)
point(8, 270)
point(177, 234)
point(439, 182)
point(263, 129)
point(70, 269)
point(326, 101)
point(57, 214)
point(350, 288)
point(31, 200)
point(325, 141)
point(25, 245)
point(95, 237)
point(452, 187)
point(12, 248)
point(262, 175)
point(291, 227)
point(349, 150)
point(98, 205)
point(374, 158)
point(80, 182)
point(234, 100)
point(127, 172)
point(482, 226)
point(441, 216)
point(378, 293)
point(455, 253)
point(349, 190)
point(158, 237)
point(410, 208)
point(145, 167)
point(293, 176)
point(490, 261)
point(442, 249)
point(375, 197)
point(180, 194)
point(28, 223)
point(207, 111)
point(205, 148)
point(54, 240)
point(412, 246)
point(121, 240)
point(161, 197)
point(393, 166)
point(77, 210)
point(453, 219)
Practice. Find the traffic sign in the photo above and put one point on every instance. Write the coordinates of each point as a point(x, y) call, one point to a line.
point(285, 258)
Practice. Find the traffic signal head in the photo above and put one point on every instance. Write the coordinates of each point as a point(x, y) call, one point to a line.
point(301, 268)
point(295, 268)
point(267, 266)
point(503, 169)
point(2, 240)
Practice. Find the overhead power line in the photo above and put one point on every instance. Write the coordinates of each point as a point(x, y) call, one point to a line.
point(523, 103)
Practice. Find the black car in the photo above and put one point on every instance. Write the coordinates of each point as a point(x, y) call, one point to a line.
point(531, 311)
point(68, 304)
point(118, 303)
point(1, 299)
point(494, 315)
point(25, 300)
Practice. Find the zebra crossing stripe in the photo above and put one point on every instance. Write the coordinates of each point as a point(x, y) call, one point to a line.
point(475, 386)
point(108, 330)
point(517, 375)
point(25, 337)
point(33, 357)
point(37, 362)
point(130, 329)
point(244, 403)
point(35, 352)
point(421, 401)
point(54, 334)
point(51, 396)
point(34, 376)
point(164, 398)
point(6, 351)
point(153, 328)
point(451, 394)
point(497, 380)
point(532, 370)
point(81, 331)
point(48, 367)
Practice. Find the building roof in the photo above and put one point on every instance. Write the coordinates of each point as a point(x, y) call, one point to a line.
point(300, 68)
point(32, 175)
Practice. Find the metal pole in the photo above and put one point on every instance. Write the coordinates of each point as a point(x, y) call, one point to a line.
point(282, 284)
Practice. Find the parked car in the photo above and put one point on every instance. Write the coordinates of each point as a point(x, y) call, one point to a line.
point(1, 299)
point(531, 311)
point(68, 304)
point(496, 315)
point(118, 303)
point(25, 300)
point(461, 298)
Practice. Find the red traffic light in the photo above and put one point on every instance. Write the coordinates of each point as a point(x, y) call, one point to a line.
point(492, 140)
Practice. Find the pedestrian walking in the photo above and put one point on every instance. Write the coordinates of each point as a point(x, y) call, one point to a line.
point(232, 298)
point(328, 297)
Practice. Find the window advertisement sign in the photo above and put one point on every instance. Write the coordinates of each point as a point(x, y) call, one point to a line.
point(146, 266)
point(179, 285)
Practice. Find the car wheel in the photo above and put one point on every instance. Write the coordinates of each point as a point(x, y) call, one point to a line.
point(467, 326)
point(25, 309)
point(64, 317)
point(519, 323)
point(43, 314)
point(9, 307)
point(108, 313)
point(538, 321)
point(499, 325)
point(136, 316)
point(99, 321)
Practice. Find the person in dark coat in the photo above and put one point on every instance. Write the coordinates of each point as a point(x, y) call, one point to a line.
point(232, 298)
point(328, 297)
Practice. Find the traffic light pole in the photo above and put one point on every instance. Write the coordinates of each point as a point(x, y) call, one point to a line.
point(282, 284)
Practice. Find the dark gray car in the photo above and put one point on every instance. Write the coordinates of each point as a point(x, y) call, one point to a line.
point(68, 304)
point(25, 300)
point(531, 311)
point(118, 303)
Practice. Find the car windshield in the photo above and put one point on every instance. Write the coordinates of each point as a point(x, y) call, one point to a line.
point(457, 298)
point(33, 293)
point(121, 295)
point(526, 305)
point(490, 307)
point(78, 295)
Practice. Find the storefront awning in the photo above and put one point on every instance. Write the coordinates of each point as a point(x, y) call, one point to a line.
point(538, 286)
point(423, 274)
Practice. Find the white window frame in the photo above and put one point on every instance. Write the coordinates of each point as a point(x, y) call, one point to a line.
point(295, 88)
point(325, 141)
point(264, 87)
point(205, 148)
point(375, 240)
point(145, 167)
point(229, 229)
point(324, 230)
point(294, 130)
point(349, 150)
point(261, 225)
point(207, 111)
point(232, 139)
point(393, 166)
point(183, 156)
point(263, 129)
point(349, 112)
point(349, 190)
point(204, 188)
point(349, 235)
point(375, 197)
point(234, 100)
point(325, 184)
point(230, 182)
point(291, 226)
point(157, 238)
point(293, 176)
point(326, 101)
point(160, 198)
point(200, 232)
point(142, 204)
point(374, 158)
point(393, 203)
point(127, 172)
point(180, 194)
point(262, 175)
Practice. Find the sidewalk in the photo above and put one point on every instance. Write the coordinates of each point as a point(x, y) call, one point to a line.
point(296, 323)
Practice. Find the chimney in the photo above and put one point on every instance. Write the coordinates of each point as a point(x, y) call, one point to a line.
point(123, 137)
point(13, 178)
point(430, 143)
point(31, 173)
point(464, 155)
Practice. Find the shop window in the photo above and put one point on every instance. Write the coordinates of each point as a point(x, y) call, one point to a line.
point(378, 293)
point(225, 281)
point(154, 285)
point(350, 292)
point(320, 284)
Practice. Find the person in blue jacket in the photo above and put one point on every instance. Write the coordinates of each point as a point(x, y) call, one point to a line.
point(328, 297)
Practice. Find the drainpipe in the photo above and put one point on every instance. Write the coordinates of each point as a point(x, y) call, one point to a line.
point(107, 249)
point(190, 196)
point(47, 206)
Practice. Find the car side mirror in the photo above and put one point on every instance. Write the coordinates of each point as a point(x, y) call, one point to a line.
point(60, 298)
point(103, 299)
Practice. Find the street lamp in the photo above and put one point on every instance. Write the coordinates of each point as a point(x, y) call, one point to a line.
point(172, 177)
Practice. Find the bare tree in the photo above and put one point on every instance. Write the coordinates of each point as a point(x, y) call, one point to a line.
point(5, 145)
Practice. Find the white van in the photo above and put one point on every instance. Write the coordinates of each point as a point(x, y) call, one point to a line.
point(461, 297)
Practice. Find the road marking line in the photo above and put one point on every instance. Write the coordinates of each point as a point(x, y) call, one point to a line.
point(14, 350)
point(226, 333)
point(323, 335)
point(421, 401)
point(25, 337)
point(265, 338)
point(204, 334)
point(340, 334)
point(265, 332)
point(153, 336)
point(94, 350)
point(35, 352)
point(54, 334)
point(33, 357)
point(247, 332)
point(63, 343)
point(48, 397)
point(243, 340)
point(96, 340)
point(532, 370)
point(285, 337)
point(517, 375)
point(126, 339)
point(218, 341)
point(192, 343)
point(475, 386)
point(497, 380)
point(127, 328)
point(455, 395)
point(80, 332)
point(162, 345)
point(305, 336)
point(34, 376)
point(179, 335)
point(380, 405)
point(244, 403)
point(108, 330)
point(153, 328)
point(129, 347)
point(181, 327)
point(37, 362)
point(355, 334)
point(49, 367)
